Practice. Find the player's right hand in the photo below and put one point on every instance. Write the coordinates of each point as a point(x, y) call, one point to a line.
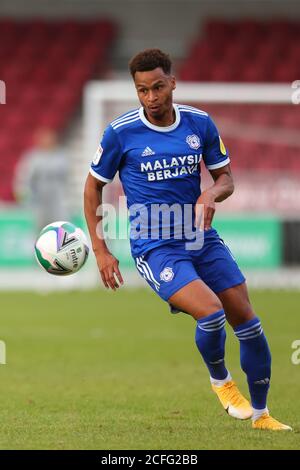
point(108, 267)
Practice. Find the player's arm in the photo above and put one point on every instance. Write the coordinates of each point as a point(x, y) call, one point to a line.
point(222, 188)
point(216, 159)
point(107, 263)
point(223, 185)
point(104, 166)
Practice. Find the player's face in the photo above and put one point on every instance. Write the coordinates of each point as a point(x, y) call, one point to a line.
point(155, 90)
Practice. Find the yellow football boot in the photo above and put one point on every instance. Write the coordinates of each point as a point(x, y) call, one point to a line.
point(233, 401)
point(266, 422)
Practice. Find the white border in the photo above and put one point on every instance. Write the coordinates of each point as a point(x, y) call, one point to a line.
point(218, 165)
point(99, 177)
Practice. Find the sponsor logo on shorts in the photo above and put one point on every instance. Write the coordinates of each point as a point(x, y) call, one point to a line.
point(167, 274)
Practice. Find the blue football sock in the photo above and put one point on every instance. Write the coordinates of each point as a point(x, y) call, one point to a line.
point(255, 360)
point(210, 340)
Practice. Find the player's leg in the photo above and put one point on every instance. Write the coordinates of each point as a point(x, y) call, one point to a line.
point(199, 301)
point(217, 268)
point(204, 306)
point(236, 303)
point(254, 353)
point(196, 299)
point(171, 274)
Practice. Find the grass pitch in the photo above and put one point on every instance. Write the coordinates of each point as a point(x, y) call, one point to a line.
point(100, 370)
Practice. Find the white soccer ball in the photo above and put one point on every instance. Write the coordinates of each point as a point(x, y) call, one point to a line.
point(61, 248)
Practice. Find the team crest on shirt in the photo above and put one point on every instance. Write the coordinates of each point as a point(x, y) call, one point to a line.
point(193, 141)
point(167, 274)
point(98, 155)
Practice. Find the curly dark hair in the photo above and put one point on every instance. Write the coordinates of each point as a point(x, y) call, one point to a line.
point(150, 59)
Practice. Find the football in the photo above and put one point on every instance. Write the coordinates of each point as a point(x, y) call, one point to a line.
point(61, 248)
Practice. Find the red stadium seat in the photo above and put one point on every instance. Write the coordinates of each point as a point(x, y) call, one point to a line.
point(261, 50)
point(251, 51)
point(45, 65)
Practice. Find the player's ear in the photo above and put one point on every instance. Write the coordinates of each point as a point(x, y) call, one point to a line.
point(173, 81)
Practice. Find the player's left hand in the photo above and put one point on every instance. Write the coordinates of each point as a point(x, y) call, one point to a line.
point(205, 210)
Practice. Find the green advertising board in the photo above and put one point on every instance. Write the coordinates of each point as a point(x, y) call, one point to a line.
point(256, 242)
point(17, 237)
point(18, 234)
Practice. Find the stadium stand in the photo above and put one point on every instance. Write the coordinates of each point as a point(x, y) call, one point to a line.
point(45, 65)
point(244, 51)
point(251, 51)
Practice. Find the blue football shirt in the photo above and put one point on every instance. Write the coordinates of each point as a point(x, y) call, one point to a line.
point(159, 168)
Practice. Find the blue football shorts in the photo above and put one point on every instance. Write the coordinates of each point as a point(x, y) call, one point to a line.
point(169, 267)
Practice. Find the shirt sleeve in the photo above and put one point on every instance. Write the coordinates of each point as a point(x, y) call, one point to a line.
point(108, 157)
point(215, 154)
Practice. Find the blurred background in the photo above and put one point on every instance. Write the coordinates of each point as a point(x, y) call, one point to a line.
point(63, 65)
point(89, 369)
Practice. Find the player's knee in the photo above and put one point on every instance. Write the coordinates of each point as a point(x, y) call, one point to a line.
point(240, 314)
point(208, 309)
